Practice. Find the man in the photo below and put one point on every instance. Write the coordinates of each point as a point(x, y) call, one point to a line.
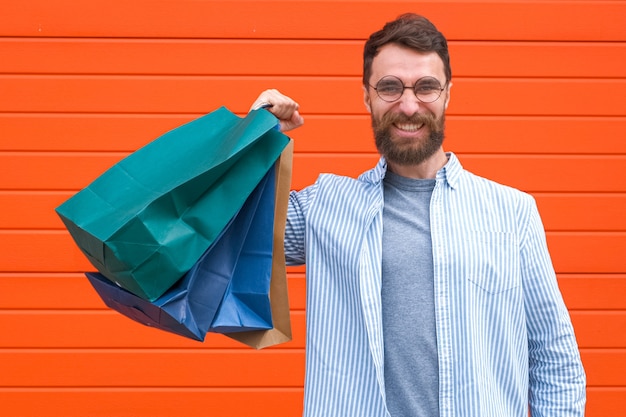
point(430, 291)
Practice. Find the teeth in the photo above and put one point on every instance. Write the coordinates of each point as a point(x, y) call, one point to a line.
point(409, 127)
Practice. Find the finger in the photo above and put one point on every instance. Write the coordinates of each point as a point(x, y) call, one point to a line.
point(294, 122)
point(279, 104)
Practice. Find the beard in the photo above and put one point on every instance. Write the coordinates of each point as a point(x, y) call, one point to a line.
point(414, 152)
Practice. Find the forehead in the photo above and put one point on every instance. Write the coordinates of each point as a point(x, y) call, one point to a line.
point(407, 64)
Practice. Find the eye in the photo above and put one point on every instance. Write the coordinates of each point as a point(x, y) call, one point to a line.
point(389, 87)
point(427, 86)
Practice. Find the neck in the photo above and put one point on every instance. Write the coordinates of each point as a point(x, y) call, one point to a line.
point(424, 170)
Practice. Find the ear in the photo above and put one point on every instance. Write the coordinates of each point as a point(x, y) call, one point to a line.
point(448, 95)
point(367, 99)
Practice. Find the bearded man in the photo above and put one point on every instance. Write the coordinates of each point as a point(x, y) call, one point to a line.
point(430, 290)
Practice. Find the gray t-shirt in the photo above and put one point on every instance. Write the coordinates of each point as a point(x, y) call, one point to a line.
point(408, 306)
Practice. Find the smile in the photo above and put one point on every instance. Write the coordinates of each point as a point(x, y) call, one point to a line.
point(409, 127)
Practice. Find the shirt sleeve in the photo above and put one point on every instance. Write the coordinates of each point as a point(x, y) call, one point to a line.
point(557, 380)
point(295, 228)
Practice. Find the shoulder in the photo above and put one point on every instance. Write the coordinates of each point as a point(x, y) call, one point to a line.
point(485, 188)
point(340, 187)
point(480, 196)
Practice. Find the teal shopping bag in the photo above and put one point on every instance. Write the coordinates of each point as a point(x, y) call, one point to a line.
point(146, 221)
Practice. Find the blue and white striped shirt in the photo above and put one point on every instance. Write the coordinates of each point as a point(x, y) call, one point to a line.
point(505, 339)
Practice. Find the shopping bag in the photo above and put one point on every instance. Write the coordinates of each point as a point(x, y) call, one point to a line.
point(278, 292)
point(149, 218)
point(241, 255)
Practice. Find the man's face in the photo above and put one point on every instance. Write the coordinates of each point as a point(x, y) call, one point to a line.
point(407, 131)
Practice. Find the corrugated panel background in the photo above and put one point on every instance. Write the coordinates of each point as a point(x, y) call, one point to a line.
point(538, 103)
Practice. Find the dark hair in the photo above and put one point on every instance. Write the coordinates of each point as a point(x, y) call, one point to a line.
point(412, 31)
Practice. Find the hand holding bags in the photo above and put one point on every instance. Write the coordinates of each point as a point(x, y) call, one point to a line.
point(147, 220)
point(141, 222)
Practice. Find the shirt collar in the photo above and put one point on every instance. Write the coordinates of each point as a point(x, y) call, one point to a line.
point(450, 173)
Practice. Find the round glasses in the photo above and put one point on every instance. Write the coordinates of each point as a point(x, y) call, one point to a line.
point(390, 88)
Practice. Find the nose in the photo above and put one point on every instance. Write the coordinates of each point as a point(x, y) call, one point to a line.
point(408, 102)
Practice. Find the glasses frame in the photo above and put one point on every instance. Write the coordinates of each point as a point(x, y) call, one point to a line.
point(404, 87)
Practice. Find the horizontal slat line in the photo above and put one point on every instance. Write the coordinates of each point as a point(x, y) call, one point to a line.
point(584, 292)
point(63, 291)
point(570, 275)
point(161, 402)
point(63, 232)
point(100, 311)
point(148, 368)
point(35, 232)
point(321, 57)
point(283, 41)
point(79, 154)
point(111, 330)
point(126, 115)
point(540, 173)
point(163, 369)
point(191, 390)
point(557, 232)
point(272, 351)
point(230, 401)
point(72, 291)
point(604, 350)
point(313, 77)
point(325, 116)
point(581, 194)
point(579, 212)
point(198, 94)
point(245, 351)
point(108, 329)
point(571, 252)
point(192, 402)
point(297, 77)
point(148, 388)
point(188, 390)
point(599, 329)
point(122, 154)
point(465, 135)
point(103, 310)
point(585, 233)
point(517, 20)
point(71, 275)
point(296, 272)
point(36, 193)
point(582, 252)
point(604, 313)
point(154, 402)
point(600, 365)
point(220, 78)
point(34, 210)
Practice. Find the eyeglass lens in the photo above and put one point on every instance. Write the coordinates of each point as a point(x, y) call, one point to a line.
point(426, 89)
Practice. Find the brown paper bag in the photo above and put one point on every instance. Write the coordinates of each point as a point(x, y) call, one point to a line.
point(279, 297)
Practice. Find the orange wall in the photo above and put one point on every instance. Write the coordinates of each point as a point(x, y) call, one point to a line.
point(538, 103)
